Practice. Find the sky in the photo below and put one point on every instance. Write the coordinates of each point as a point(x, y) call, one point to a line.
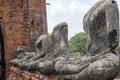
point(70, 11)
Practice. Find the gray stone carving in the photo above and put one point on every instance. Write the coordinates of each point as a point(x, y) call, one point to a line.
point(42, 60)
point(41, 48)
point(20, 52)
point(101, 61)
point(59, 49)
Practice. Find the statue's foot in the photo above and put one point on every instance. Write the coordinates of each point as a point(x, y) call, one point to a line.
point(23, 65)
point(31, 66)
point(46, 67)
point(105, 68)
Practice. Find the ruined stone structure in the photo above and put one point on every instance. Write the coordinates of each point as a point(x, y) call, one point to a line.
point(101, 62)
point(45, 64)
point(21, 22)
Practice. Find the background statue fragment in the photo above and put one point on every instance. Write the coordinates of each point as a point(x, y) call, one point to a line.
point(59, 39)
point(41, 50)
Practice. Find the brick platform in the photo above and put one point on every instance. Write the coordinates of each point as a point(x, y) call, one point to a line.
point(17, 74)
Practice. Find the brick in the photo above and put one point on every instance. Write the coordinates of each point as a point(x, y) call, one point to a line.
point(29, 76)
point(17, 26)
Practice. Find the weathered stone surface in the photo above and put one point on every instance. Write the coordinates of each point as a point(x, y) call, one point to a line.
point(20, 52)
point(43, 61)
point(60, 40)
point(101, 27)
point(41, 49)
point(101, 62)
point(101, 24)
point(60, 49)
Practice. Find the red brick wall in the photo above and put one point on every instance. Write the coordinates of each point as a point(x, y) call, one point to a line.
point(37, 12)
point(21, 24)
point(17, 74)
